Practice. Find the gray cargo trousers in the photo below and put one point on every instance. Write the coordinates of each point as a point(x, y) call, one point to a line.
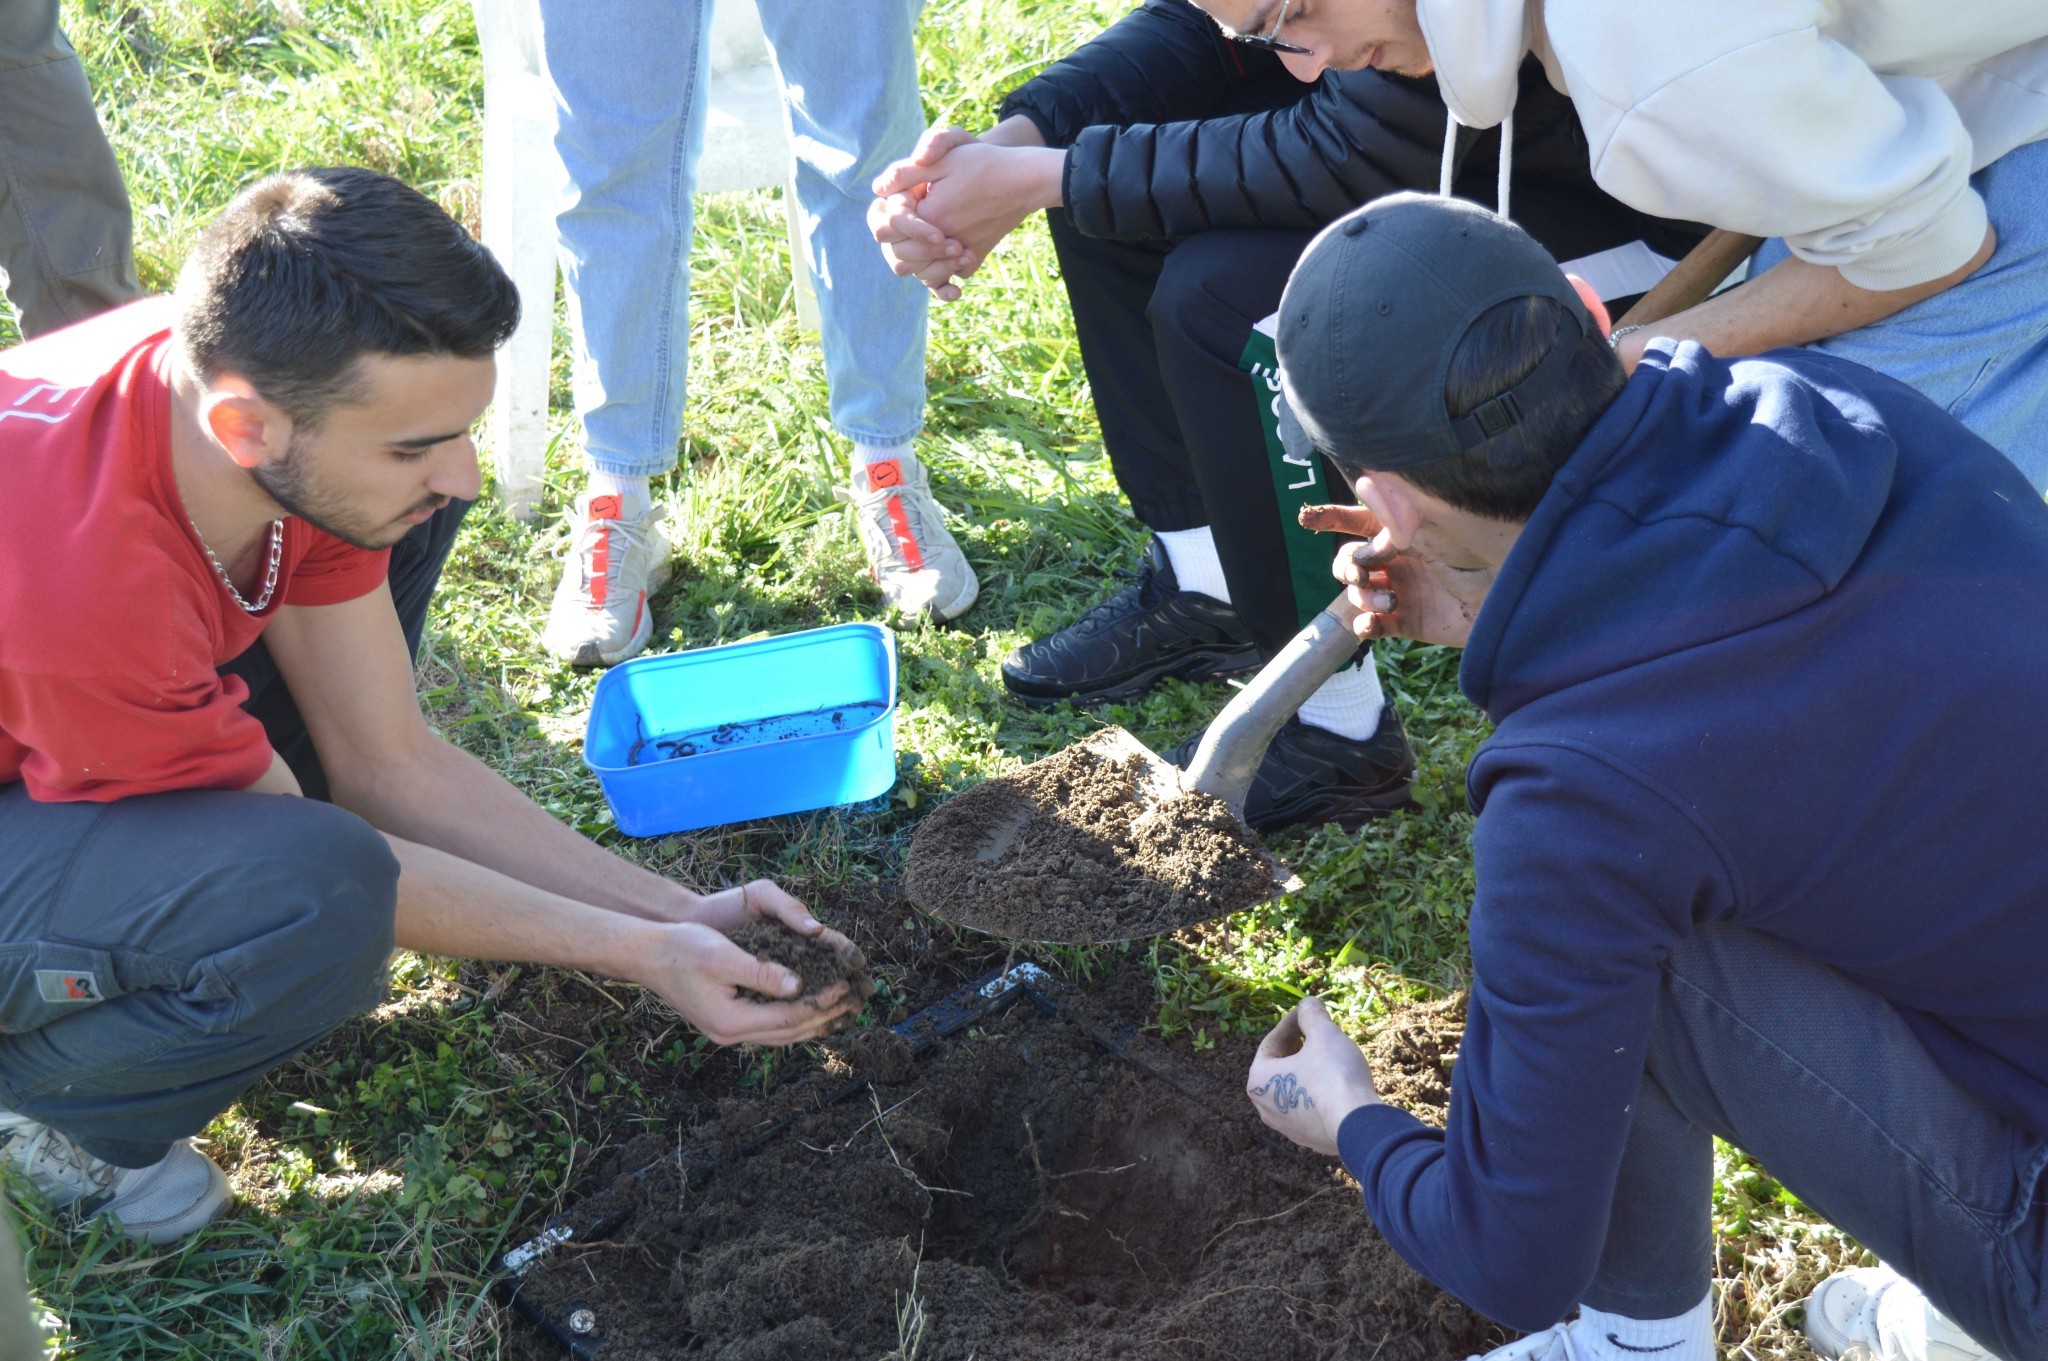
point(66, 236)
point(159, 954)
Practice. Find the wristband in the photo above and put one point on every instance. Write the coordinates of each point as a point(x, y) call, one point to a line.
point(1614, 336)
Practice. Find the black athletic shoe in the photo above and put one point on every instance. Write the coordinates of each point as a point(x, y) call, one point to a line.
point(1311, 775)
point(1122, 647)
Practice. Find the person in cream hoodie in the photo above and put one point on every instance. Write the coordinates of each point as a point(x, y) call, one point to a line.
point(1891, 150)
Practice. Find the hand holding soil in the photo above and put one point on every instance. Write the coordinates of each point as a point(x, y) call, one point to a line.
point(756, 900)
point(724, 989)
point(1307, 1076)
point(826, 963)
point(1404, 592)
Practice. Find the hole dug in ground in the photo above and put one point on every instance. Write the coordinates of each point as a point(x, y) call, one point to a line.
point(1020, 1193)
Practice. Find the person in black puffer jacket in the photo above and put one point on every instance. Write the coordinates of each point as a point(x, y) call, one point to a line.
point(1182, 173)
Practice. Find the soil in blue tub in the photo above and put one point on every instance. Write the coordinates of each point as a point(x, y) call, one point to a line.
point(756, 732)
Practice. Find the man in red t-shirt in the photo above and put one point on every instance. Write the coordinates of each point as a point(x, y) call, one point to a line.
point(280, 451)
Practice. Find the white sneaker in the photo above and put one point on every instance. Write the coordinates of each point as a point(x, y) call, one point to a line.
point(1689, 1337)
point(911, 554)
point(600, 615)
point(1552, 1344)
point(1885, 1315)
point(162, 1203)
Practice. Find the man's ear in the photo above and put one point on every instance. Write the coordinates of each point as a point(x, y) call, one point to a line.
point(1396, 502)
point(250, 429)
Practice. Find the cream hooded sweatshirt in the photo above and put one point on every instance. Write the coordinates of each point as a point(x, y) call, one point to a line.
point(1848, 127)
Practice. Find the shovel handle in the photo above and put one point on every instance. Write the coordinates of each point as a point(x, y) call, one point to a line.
point(1693, 278)
point(1235, 743)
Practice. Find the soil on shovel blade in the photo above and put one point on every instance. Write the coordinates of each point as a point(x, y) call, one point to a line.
point(1090, 862)
point(1017, 1192)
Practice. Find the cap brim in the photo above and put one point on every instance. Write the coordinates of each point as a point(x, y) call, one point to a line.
point(1295, 440)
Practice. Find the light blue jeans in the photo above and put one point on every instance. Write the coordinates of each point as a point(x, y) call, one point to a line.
point(630, 80)
point(1979, 349)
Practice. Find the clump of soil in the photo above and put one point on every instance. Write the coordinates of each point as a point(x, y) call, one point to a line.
point(1018, 1192)
point(1089, 861)
point(1411, 1053)
point(815, 960)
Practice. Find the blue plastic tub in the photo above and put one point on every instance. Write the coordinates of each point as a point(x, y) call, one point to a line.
point(748, 730)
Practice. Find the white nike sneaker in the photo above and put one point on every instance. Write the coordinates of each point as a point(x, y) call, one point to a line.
point(1876, 1309)
point(1552, 1344)
point(910, 552)
point(600, 615)
point(1581, 1339)
point(162, 1203)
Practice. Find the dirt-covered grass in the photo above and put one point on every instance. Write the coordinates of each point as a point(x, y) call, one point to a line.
point(381, 1174)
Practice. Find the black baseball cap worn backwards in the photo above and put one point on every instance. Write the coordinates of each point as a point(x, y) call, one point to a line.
point(1373, 313)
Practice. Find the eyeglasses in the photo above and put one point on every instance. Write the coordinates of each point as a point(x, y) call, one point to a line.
point(1269, 39)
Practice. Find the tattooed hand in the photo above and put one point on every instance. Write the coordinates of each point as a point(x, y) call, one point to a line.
point(1286, 1092)
point(1308, 1076)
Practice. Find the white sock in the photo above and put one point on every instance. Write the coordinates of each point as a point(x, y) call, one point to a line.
point(864, 454)
point(1192, 553)
point(635, 494)
point(1613, 1337)
point(1348, 704)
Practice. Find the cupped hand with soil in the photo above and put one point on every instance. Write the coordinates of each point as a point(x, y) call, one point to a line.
point(728, 993)
point(1307, 1076)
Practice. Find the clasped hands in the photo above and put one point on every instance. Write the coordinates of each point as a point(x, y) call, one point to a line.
point(939, 212)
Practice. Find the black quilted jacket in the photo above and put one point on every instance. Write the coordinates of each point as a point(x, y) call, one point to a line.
point(1173, 129)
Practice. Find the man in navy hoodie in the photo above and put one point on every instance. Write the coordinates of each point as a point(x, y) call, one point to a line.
point(1740, 871)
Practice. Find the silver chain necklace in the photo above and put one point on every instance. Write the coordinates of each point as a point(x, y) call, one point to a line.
point(269, 573)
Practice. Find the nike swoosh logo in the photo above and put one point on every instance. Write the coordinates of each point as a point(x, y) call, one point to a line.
point(1627, 1348)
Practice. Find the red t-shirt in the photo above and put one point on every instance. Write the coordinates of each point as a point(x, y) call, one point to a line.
point(112, 621)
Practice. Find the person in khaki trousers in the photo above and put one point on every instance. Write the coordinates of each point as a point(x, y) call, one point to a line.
point(66, 238)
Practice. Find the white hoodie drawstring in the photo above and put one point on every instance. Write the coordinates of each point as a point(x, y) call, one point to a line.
point(1507, 160)
point(1443, 173)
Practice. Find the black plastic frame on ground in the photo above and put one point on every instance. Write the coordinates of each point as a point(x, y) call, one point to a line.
point(579, 1330)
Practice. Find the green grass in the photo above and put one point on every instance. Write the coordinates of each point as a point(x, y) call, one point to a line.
point(382, 1173)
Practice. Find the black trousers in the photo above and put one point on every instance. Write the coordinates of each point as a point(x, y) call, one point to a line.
point(1162, 327)
point(416, 562)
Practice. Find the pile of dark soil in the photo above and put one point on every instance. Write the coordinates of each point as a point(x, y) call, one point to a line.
point(1411, 1053)
point(1090, 860)
point(819, 964)
point(1017, 1192)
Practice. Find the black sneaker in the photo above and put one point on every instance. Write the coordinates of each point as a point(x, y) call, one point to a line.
point(1121, 648)
point(1311, 775)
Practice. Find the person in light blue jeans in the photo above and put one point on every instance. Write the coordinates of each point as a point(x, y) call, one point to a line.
point(631, 79)
point(1979, 348)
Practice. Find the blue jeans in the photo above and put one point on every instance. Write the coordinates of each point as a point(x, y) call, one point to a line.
point(1979, 349)
point(630, 79)
point(1824, 1083)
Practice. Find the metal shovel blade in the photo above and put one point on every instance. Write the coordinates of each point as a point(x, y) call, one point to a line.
point(947, 880)
point(1001, 815)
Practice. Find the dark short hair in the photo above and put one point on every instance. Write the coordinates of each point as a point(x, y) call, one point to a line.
point(1504, 477)
point(308, 271)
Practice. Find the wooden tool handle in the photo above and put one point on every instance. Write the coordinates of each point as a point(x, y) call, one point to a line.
point(1693, 278)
